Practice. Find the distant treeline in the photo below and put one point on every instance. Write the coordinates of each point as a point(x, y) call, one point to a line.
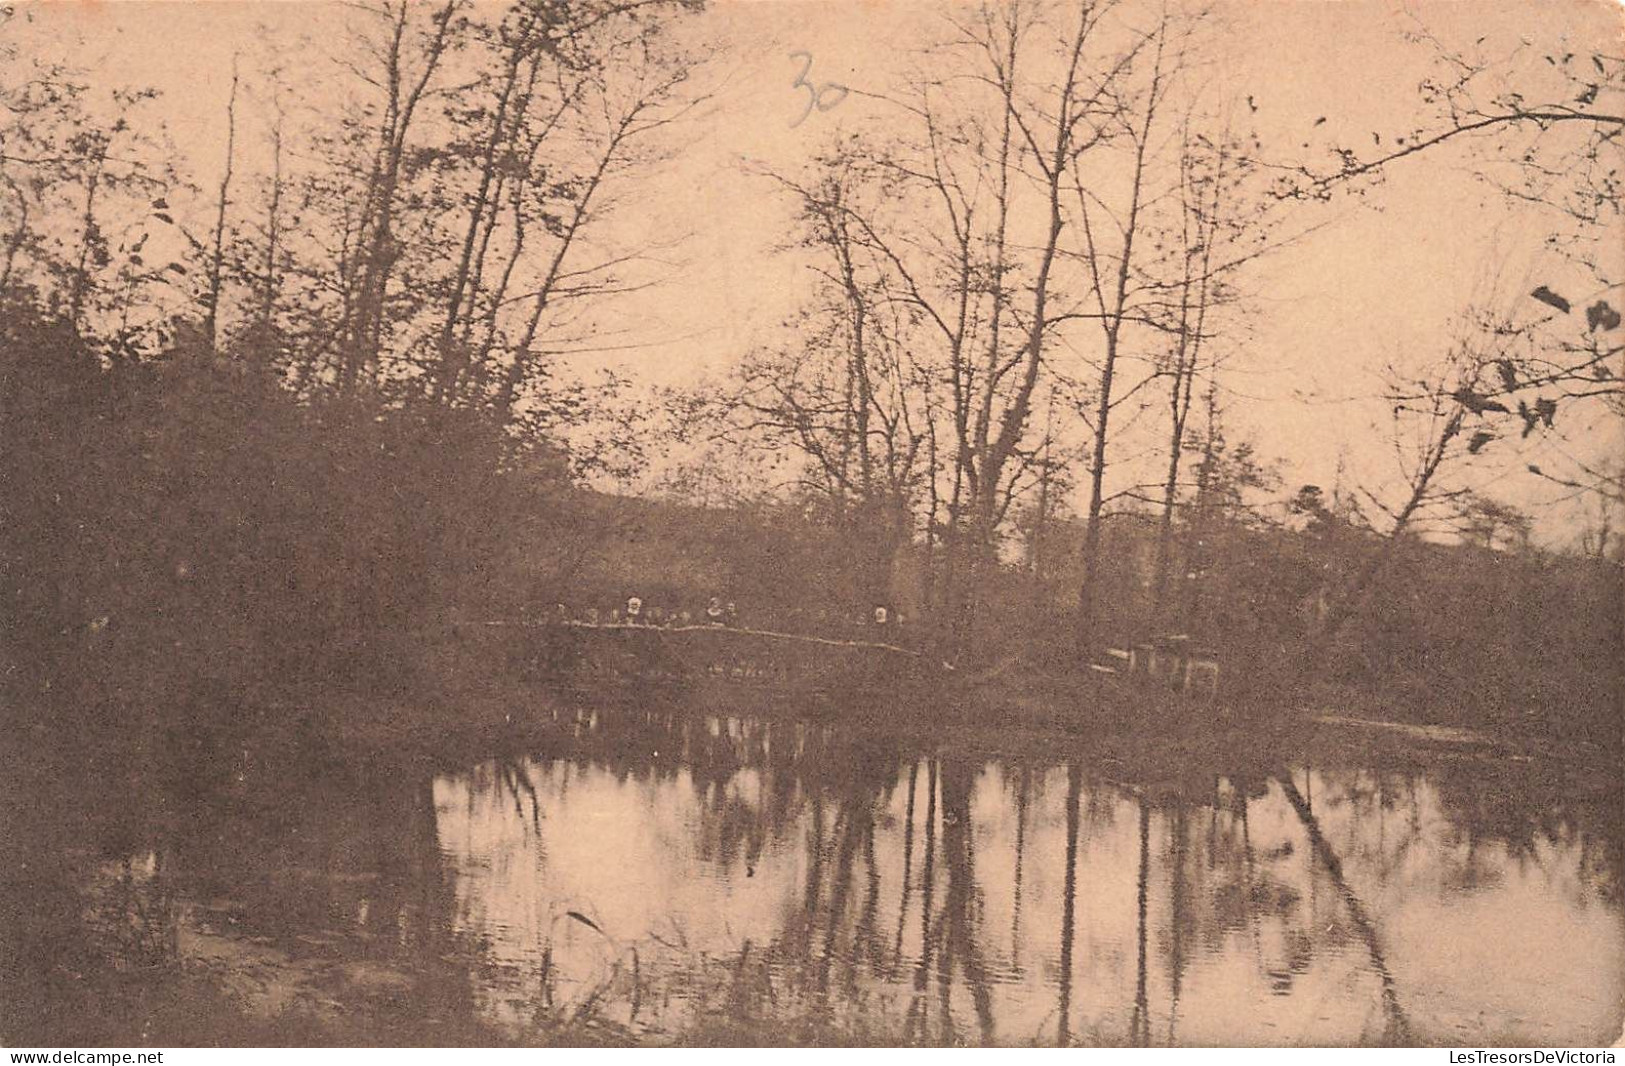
point(1513, 635)
point(182, 529)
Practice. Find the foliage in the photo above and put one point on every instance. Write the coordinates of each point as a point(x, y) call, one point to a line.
point(179, 526)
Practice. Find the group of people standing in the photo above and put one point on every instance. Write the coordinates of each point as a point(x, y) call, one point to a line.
point(637, 613)
point(717, 612)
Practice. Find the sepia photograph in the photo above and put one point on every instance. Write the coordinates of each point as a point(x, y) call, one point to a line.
point(812, 523)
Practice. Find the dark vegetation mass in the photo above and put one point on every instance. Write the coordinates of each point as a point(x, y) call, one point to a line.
point(183, 533)
point(305, 431)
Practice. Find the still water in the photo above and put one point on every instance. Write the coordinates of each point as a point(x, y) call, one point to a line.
point(667, 877)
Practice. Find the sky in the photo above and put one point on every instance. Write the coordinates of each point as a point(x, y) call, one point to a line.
point(1383, 278)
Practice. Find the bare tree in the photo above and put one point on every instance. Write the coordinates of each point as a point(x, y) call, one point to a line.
point(211, 304)
point(1442, 419)
point(408, 61)
point(847, 398)
point(623, 115)
point(1545, 127)
point(1108, 275)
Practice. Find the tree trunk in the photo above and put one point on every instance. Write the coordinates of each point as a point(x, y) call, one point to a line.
point(211, 320)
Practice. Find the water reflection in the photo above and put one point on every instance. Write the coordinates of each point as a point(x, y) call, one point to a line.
point(663, 876)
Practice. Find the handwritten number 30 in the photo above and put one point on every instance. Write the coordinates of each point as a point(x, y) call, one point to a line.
point(823, 96)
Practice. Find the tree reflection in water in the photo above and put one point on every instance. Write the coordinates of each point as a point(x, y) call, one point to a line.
point(647, 874)
point(1069, 902)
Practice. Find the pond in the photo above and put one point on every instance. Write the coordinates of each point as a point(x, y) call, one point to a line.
point(656, 876)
